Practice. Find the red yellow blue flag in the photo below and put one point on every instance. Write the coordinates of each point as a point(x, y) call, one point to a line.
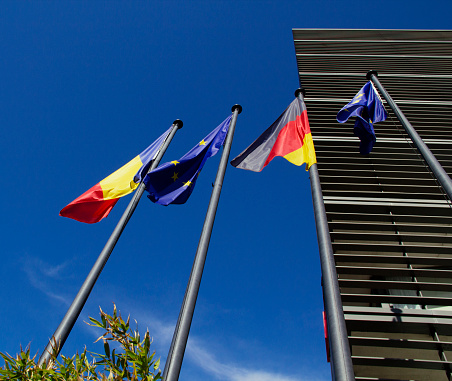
point(97, 202)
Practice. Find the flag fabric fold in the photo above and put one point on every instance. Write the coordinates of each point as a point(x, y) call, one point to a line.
point(366, 106)
point(97, 202)
point(173, 182)
point(289, 137)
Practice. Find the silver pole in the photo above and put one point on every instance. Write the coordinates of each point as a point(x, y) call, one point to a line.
point(341, 360)
point(179, 342)
point(64, 329)
point(434, 165)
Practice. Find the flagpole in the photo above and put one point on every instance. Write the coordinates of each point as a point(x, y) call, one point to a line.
point(64, 329)
point(428, 156)
point(341, 360)
point(179, 342)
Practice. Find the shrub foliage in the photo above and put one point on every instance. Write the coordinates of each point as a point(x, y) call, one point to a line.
point(130, 359)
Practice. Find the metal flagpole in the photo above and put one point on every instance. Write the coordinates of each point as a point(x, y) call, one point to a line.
point(429, 158)
point(176, 353)
point(341, 360)
point(64, 329)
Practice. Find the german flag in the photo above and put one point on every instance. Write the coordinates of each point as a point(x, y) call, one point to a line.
point(289, 137)
point(97, 202)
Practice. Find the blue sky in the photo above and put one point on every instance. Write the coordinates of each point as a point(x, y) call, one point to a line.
point(85, 87)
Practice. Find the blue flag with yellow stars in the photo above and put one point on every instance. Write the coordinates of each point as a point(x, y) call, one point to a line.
point(368, 109)
point(173, 182)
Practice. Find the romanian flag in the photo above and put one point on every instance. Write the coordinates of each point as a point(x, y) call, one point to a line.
point(289, 136)
point(173, 182)
point(97, 202)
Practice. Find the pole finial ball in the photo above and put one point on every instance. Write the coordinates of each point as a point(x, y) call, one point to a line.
point(370, 73)
point(179, 123)
point(236, 107)
point(300, 90)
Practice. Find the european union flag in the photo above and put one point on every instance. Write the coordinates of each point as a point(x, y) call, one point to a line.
point(173, 182)
point(368, 109)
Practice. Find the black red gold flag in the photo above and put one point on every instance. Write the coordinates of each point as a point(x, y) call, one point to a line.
point(289, 137)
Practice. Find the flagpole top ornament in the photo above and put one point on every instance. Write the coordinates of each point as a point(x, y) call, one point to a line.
point(237, 107)
point(300, 90)
point(179, 123)
point(370, 72)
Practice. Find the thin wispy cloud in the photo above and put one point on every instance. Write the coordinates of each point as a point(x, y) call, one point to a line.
point(41, 274)
point(201, 355)
point(53, 271)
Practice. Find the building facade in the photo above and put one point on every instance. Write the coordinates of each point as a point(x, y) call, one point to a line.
point(389, 220)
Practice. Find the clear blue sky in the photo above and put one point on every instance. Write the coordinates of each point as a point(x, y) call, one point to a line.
point(85, 87)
